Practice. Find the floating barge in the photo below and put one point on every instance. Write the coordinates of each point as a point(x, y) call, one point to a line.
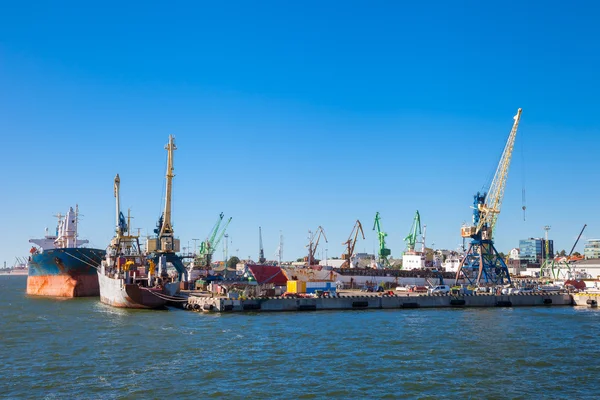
point(364, 302)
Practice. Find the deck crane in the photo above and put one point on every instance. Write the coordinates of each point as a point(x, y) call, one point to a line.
point(415, 231)
point(313, 243)
point(482, 258)
point(383, 252)
point(165, 243)
point(351, 243)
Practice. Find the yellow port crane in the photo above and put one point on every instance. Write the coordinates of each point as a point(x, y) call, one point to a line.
point(482, 258)
point(351, 243)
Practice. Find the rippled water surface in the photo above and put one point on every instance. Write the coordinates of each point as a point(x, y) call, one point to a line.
point(82, 349)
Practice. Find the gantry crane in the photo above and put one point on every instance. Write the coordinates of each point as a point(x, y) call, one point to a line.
point(383, 252)
point(351, 243)
point(415, 231)
point(482, 259)
point(313, 243)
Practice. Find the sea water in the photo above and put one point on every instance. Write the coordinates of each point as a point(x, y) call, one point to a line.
point(82, 349)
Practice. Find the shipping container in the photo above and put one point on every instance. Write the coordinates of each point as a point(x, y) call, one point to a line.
point(296, 287)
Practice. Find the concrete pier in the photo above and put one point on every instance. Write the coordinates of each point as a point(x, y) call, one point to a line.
point(369, 302)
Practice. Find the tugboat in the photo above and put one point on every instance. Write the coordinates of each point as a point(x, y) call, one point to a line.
point(126, 278)
point(58, 266)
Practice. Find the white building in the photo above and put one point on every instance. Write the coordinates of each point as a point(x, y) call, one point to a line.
point(592, 249)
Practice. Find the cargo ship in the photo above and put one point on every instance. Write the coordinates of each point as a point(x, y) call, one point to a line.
point(58, 266)
point(127, 278)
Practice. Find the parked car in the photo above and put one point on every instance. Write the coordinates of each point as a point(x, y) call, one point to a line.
point(443, 289)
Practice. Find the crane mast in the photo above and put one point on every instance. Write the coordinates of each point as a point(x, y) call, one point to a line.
point(166, 228)
point(482, 258)
point(351, 244)
point(165, 243)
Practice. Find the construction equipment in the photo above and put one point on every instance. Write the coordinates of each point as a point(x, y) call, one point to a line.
point(415, 231)
point(313, 243)
point(208, 247)
point(351, 243)
point(482, 258)
point(261, 251)
point(165, 243)
point(383, 252)
point(553, 268)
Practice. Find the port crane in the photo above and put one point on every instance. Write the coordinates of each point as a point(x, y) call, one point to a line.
point(313, 243)
point(208, 247)
point(383, 252)
point(482, 259)
point(165, 243)
point(261, 251)
point(351, 243)
point(415, 231)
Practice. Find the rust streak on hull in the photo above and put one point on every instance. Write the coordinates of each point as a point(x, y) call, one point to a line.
point(63, 285)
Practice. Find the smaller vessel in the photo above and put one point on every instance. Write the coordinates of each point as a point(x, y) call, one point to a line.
point(126, 278)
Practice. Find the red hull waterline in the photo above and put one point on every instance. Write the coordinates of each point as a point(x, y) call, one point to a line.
point(63, 285)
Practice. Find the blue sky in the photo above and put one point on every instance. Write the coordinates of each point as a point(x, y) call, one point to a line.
point(290, 116)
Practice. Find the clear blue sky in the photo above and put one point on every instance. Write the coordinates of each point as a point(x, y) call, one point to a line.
point(290, 116)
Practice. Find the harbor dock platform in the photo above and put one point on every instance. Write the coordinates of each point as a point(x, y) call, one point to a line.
point(375, 302)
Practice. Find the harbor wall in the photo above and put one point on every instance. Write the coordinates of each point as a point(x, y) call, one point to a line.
point(363, 302)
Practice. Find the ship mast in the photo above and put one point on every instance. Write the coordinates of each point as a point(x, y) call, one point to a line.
point(166, 229)
point(118, 203)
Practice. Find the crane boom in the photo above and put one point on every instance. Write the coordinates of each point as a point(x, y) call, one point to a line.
point(577, 241)
point(493, 199)
point(216, 243)
point(215, 230)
